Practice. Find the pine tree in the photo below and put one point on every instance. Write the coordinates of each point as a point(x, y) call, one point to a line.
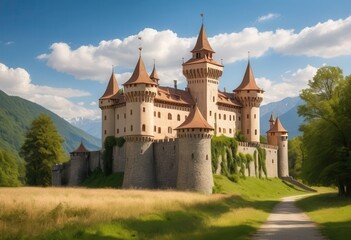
point(42, 149)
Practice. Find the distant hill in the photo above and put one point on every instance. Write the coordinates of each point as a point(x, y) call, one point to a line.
point(286, 109)
point(16, 116)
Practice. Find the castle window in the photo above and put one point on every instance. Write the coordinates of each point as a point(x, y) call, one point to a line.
point(124, 115)
point(198, 55)
point(131, 112)
point(247, 116)
point(154, 113)
point(234, 118)
point(239, 118)
point(159, 115)
point(224, 130)
point(255, 131)
point(105, 132)
point(155, 128)
point(230, 130)
point(206, 156)
point(210, 113)
point(248, 131)
point(230, 117)
point(254, 116)
point(192, 156)
point(219, 116)
point(117, 130)
point(159, 130)
point(143, 109)
point(117, 116)
point(143, 127)
point(124, 129)
point(131, 128)
point(105, 117)
point(272, 161)
point(178, 117)
point(220, 129)
point(169, 130)
point(169, 116)
point(224, 117)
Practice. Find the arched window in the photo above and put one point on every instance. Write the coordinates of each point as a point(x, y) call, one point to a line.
point(159, 130)
point(169, 130)
point(220, 130)
point(224, 117)
point(159, 115)
point(169, 116)
point(143, 128)
point(178, 117)
point(105, 117)
point(131, 128)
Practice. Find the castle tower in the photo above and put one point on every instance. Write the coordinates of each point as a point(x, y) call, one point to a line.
point(202, 73)
point(250, 96)
point(153, 76)
point(140, 92)
point(271, 121)
point(277, 135)
point(194, 167)
point(79, 165)
point(107, 109)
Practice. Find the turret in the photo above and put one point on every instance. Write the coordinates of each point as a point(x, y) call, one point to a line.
point(271, 121)
point(194, 167)
point(79, 165)
point(154, 76)
point(250, 96)
point(140, 92)
point(106, 104)
point(202, 73)
point(277, 135)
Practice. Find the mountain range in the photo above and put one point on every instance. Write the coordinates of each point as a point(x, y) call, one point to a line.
point(16, 116)
point(285, 109)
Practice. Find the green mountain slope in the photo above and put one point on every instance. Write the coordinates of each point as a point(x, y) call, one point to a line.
point(16, 116)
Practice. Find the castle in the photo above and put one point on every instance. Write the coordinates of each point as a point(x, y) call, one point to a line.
point(168, 131)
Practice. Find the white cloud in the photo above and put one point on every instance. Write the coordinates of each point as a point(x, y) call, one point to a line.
point(93, 103)
point(17, 81)
point(9, 42)
point(328, 39)
point(267, 17)
point(289, 86)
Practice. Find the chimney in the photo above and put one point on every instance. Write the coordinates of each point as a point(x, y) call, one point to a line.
point(175, 84)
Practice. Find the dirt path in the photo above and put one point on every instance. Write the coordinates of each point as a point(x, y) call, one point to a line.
point(288, 222)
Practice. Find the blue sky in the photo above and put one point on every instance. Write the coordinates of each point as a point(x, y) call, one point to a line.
point(59, 53)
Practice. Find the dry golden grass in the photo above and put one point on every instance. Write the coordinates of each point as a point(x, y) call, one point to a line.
point(31, 211)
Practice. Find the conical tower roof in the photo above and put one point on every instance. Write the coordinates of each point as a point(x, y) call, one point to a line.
point(202, 43)
point(195, 120)
point(277, 127)
point(154, 75)
point(271, 119)
point(81, 149)
point(112, 87)
point(248, 82)
point(140, 75)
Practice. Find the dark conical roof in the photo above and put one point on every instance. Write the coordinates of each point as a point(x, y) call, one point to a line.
point(81, 148)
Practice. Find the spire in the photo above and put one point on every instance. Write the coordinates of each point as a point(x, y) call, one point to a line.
point(154, 75)
point(81, 148)
point(202, 43)
point(195, 120)
point(112, 87)
point(140, 75)
point(278, 127)
point(271, 119)
point(248, 82)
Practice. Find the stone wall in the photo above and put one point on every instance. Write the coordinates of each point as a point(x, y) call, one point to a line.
point(95, 161)
point(166, 162)
point(119, 158)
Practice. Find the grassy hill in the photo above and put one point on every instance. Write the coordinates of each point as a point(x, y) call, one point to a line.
point(16, 115)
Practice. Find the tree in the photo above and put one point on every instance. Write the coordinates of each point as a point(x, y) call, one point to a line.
point(42, 148)
point(326, 132)
point(8, 170)
point(296, 156)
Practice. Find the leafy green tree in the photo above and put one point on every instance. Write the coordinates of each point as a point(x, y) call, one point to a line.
point(327, 127)
point(8, 170)
point(296, 156)
point(42, 148)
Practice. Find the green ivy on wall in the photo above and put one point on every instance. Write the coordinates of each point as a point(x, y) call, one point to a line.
point(110, 142)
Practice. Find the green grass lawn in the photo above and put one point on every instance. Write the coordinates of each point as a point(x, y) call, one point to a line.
point(65, 213)
point(331, 212)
